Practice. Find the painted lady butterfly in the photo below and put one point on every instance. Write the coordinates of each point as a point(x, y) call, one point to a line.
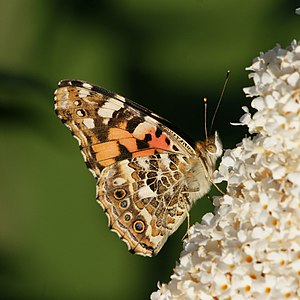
point(148, 173)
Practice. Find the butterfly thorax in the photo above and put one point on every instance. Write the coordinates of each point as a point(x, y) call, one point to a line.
point(202, 165)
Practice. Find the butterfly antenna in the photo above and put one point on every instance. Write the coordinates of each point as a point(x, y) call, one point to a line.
point(205, 118)
point(219, 102)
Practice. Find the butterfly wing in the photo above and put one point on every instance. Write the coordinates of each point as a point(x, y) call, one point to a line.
point(138, 160)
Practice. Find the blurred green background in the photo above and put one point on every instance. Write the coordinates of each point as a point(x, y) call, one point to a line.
point(166, 55)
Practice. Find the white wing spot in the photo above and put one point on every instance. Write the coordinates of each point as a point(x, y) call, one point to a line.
point(105, 112)
point(112, 105)
point(83, 93)
point(89, 123)
point(119, 181)
point(145, 192)
point(87, 85)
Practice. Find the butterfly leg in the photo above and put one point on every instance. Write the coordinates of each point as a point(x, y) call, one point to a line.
point(215, 185)
point(188, 226)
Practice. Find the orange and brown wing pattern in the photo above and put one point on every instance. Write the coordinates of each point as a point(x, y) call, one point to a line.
point(110, 128)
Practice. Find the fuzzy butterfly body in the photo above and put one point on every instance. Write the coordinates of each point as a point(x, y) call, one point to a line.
point(148, 173)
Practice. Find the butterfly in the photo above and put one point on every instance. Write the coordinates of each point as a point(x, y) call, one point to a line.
point(148, 172)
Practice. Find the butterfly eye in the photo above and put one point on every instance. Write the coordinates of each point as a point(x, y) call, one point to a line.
point(211, 148)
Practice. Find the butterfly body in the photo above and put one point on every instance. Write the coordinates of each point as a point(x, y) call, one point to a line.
point(148, 173)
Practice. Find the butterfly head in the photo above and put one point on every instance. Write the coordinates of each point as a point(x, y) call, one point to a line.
point(211, 147)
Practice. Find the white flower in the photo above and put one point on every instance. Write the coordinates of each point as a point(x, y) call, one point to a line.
point(250, 247)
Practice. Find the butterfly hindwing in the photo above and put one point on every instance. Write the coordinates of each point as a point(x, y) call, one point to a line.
point(146, 199)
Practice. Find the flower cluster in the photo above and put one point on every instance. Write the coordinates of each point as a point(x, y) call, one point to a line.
point(250, 247)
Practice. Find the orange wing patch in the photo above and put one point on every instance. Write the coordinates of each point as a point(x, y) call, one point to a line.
point(117, 134)
point(147, 152)
point(130, 144)
point(106, 150)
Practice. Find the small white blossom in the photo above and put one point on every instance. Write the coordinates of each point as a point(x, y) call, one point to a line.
point(250, 247)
